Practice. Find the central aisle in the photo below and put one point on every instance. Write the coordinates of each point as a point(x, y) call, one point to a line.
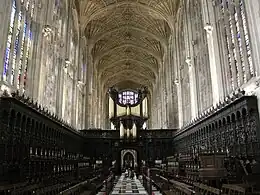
point(127, 186)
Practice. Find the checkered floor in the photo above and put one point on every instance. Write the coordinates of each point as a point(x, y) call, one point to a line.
point(127, 186)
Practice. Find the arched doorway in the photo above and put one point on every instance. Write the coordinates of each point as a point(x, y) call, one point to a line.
point(119, 154)
point(128, 161)
point(128, 158)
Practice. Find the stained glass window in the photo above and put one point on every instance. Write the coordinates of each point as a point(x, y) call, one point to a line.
point(245, 29)
point(236, 40)
point(21, 54)
point(16, 45)
point(27, 55)
point(27, 5)
point(9, 42)
point(128, 97)
point(19, 44)
point(32, 9)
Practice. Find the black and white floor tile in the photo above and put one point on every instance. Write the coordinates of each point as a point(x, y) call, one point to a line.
point(127, 186)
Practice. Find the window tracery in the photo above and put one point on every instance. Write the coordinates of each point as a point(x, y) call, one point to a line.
point(237, 55)
point(128, 97)
point(9, 42)
point(19, 44)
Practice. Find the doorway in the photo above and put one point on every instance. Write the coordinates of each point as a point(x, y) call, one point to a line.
point(128, 159)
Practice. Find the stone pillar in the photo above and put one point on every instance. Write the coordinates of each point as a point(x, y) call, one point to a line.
point(216, 73)
point(5, 13)
point(95, 101)
point(213, 47)
point(74, 100)
point(34, 72)
point(180, 110)
point(169, 93)
point(42, 68)
point(59, 100)
point(89, 79)
point(163, 94)
point(189, 60)
point(193, 89)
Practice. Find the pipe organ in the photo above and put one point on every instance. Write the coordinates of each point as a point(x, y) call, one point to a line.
point(128, 111)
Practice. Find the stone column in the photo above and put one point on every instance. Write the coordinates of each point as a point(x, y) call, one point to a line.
point(89, 94)
point(74, 99)
point(189, 60)
point(216, 73)
point(40, 52)
point(180, 110)
point(193, 89)
point(60, 80)
point(95, 102)
point(5, 15)
point(169, 95)
point(34, 71)
point(213, 47)
point(163, 94)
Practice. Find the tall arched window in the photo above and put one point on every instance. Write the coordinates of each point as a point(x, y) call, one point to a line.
point(19, 44)
point(235, 42)
point(128, 97)
point(9, 42)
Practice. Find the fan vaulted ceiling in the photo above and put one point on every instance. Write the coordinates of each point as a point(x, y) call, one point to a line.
point(127, 38)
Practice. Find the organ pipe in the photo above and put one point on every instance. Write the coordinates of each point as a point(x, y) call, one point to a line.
point(134, 130)
point(122, 130)
point(128, 133)
point(127, 111)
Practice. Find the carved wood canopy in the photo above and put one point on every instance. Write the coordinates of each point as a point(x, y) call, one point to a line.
point(127, 38)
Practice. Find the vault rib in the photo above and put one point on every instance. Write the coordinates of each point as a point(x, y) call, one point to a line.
point(152, 53)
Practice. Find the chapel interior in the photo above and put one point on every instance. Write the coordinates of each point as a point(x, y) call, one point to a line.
point(129, 97)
